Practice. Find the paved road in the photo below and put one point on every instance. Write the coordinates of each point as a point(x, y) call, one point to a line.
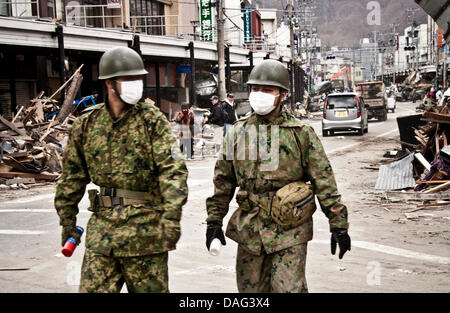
point(30, 259)
point(376, 129)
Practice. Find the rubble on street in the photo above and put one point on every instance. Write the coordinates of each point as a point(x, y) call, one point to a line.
point(429, 161)
point(32, 143)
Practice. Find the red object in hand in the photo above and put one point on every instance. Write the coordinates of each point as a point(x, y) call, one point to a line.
point(71, 244)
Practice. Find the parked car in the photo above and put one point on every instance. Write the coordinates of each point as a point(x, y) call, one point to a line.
point(344, 112)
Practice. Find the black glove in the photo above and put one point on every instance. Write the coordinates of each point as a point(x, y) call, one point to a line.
point(214, 230)
point(341, 237)
point(69, 231)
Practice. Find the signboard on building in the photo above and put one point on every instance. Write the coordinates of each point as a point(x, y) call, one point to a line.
point(206, 20)
point(113, 4)
point(248, 26)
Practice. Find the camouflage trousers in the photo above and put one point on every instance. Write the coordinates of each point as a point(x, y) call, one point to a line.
point(107, 274)
point(279, 272)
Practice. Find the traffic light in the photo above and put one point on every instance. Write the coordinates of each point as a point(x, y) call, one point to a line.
point(331, 57)
point(408, 48)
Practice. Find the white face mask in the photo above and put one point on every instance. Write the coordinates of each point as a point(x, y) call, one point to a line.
point(131, 91)
point(262, 103)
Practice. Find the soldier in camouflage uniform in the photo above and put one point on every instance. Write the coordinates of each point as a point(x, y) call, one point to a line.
point(125, 147)
point(271, 257)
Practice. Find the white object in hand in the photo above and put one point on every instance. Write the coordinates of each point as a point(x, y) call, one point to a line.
point(214, 248)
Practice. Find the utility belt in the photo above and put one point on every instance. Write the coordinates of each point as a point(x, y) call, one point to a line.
point(110, 197)
point(262, 200)
point(289, 206)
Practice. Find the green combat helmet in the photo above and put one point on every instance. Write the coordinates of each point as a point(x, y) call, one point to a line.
point(121, 61)
point(293, 205)
point(270, 72)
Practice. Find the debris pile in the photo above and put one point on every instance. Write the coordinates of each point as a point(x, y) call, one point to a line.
point(431, 162)
point(32, 143)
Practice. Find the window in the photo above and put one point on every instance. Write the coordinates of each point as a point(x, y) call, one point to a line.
point(341, 102)
point(141, 10)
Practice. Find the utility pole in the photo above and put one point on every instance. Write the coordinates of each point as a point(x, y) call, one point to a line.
point(376, 53)
point(291, 39)
point(220, 51)
point(291, 29)
point(353, 69)
point(411, 15)
point(394, 51)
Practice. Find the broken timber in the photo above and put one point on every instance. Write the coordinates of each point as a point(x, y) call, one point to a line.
point(398, 195)
point(29, 175)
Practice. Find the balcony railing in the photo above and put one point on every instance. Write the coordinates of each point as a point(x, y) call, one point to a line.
point(107, 17)
point(92, 15)
point(102, 16)
point(20, 8)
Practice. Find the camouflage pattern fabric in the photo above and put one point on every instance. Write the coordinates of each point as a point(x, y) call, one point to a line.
point(131, 153)
point(301, 157)
point(279, 272)
point(103, 274)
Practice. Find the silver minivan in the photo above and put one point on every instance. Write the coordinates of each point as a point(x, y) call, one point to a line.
point(344, 112)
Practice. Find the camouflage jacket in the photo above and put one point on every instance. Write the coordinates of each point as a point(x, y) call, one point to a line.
point(301, 157)
point(132, 153)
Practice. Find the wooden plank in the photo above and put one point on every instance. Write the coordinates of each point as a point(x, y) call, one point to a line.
point(439, 188)
point(432, 181)
point(16, 155)
point(19, 166)
point(12, 126)
point(437, 117)
point(18, 113)
point(39, 111)
point(29, 175)
point(29, 116)
point(67, 106)
point(17, 124)
point(10, 137)
point(435, 120)
point(5, 168)
point(64, 85)
point(447, 204)
point(19, 180)
point(417, 195)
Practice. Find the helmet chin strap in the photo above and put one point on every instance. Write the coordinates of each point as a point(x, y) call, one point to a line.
point(279, 99)
point(114, 88)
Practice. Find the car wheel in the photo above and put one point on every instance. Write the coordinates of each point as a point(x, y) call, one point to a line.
point(361, 132)
point(324, 133)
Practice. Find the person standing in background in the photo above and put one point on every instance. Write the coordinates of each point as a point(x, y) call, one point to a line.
point(229, 112)
point(216, 118)
point(186, 120)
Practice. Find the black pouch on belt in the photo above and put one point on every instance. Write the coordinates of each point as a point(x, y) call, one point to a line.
point(94, 200)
